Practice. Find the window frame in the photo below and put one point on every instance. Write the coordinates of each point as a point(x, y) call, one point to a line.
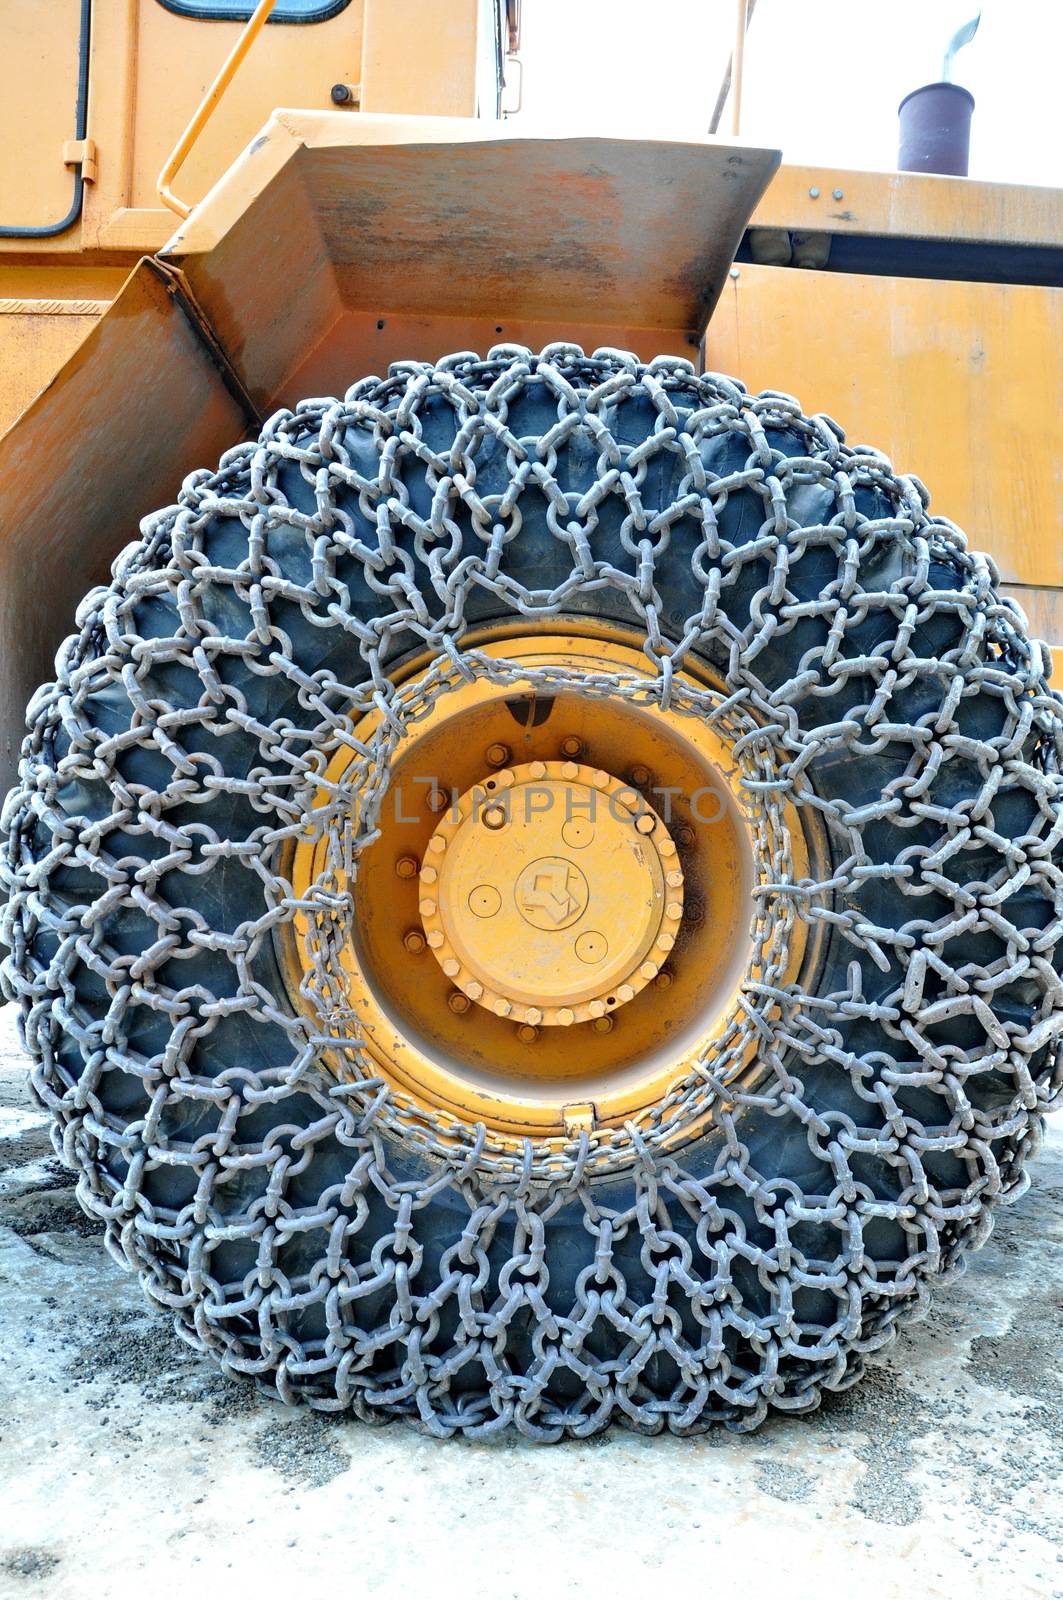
point(209, 11)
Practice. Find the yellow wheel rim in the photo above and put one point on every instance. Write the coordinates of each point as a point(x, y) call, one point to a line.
point(553, 922)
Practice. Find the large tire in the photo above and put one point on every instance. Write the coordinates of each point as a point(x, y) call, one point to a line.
point(294, 1237)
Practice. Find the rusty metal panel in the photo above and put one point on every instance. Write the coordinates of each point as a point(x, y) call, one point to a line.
point(959, 383)
point(138, 405)
point(328, 218)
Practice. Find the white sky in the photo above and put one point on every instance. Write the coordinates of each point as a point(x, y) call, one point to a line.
point(823, 78)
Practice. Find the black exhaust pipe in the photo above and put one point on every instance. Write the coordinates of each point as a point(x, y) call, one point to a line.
point(935, 134)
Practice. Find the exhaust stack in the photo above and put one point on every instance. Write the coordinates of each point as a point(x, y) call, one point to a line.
point(935, 120)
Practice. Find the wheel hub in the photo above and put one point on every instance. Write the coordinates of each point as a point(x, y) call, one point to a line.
point(551, 893)
point(556, 913)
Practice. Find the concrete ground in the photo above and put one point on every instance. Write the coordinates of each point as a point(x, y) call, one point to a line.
point(128, 1466)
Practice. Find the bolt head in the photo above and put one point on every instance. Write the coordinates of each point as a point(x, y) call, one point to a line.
point(527, 1033)
point(602, 1024)
point(459, 1003)
point(406, 867)
point(497, 755)
point(571, 746)
point(640, 775)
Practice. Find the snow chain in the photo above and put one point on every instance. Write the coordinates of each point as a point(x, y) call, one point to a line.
point(692, 1299)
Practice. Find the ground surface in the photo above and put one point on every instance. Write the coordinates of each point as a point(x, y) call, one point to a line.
point(127, 1465)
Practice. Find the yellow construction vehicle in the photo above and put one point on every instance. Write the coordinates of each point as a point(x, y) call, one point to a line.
point(534, 885)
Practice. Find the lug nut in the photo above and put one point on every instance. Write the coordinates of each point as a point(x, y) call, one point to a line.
point(644, 823)
point(406, 867)
point(459, 1003)
point(496, 755)
point(414, 942)
point(684, 836)
point(640, 776)
point(494, 817)
point(572, 746)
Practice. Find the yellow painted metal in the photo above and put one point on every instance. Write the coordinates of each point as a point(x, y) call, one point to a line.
point(910, 205)
point(151, 68)
point(520, 1073)
point(207, 106)
point(551, 893)
point(39, 82)
point(956, 382)
point(408, 42)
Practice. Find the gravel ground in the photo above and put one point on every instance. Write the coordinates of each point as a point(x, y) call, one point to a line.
point(128, 1465)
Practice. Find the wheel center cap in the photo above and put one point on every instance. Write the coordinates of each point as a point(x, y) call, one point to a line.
point(551, 893)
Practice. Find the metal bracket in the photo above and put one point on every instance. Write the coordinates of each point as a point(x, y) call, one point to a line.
point(579, 1116)
point(81, 153)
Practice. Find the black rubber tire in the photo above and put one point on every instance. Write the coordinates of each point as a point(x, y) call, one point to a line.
point(756, 1266)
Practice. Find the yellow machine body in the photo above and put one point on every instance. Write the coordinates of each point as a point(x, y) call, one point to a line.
point(329, 239)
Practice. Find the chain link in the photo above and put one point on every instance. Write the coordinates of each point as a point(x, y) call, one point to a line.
point(326, 1237)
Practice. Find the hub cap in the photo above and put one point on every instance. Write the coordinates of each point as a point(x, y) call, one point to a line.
point(551, 893)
